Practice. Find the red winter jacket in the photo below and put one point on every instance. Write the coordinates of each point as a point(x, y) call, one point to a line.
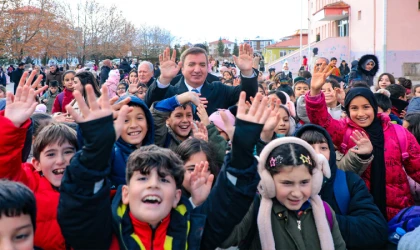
point(48, 233)
point(68, 97)
point(398, 194)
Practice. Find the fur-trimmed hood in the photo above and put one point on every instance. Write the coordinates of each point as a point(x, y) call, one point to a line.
point(362, 62)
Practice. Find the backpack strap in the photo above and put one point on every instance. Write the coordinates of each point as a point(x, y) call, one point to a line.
point(341, 191)
point(328, 213)
point(60, 100)
point(402, 140)
point(346, 139)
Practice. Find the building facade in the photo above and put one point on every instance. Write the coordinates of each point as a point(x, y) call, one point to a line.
point(258, 43)
point(214, 45)
point(286, 46)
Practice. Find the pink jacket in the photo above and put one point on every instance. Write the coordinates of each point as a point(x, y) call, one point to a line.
point(398, 194)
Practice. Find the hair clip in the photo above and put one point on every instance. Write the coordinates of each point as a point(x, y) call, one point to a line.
point(306, 159)
point(275, 161)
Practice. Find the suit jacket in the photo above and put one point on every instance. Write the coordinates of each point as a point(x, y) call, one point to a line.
point(219, 96)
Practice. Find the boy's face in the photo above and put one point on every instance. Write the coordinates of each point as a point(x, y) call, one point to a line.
point(322, 148)
point(135, 127)
point(301, 89)
point(16, 232)
point(330, 94)
point(53, 90)
point(180, 121)
point(151, 197)
point(53, 160)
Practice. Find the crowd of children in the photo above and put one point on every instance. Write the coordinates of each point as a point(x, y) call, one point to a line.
point(303, 164)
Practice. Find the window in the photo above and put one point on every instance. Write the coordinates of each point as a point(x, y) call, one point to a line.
point(282, 53)
point(343, 28)
point(419, 4)
point(359, 15)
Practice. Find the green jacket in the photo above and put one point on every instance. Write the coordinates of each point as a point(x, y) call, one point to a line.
point(352, 162)
point(285, 230)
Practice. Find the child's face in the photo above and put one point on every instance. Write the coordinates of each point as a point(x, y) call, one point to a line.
point(330, 95)
point(322, 148)
point(2, 94)
point(189, 167)
point(132, 77)
point(284, 124)
point(69, 81)
point(53, 160)
point(180, 121)
point(135, 127)
point(120, 90)
point(417, 92)
point(77, 85)
point(141, 93)
point(384, 82)
point(53, 89)
point(226, 75)
point(293, 186)
point(16, 232)
point(361, 112)
point(151, 197)
point(301, 89)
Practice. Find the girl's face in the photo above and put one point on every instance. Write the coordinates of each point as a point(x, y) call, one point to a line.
point(293, 186)
point(2, 94)
point(69, 81)
point(284, 124)
point(417, 92)
point(384, 82)
point(330, 95)
point(361, 112)
point(260, 90)
point(189, 167)
point(227, 76)
point(301, 89)
point(78, 85)
point(132, 77)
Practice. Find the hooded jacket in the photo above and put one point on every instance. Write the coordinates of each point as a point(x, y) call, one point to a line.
point(361, 73)
point(398, 194)
point(122, 149)
point(414, 106)
point(363, 227)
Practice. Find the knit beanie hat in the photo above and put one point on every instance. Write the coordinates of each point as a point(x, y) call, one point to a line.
point(218, 121)
point(267, 190)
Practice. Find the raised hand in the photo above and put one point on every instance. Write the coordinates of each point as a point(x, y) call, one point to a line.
point(189, 97)
point(202, 114)
point(116, 107)
point(272, 121)
point(319, 76)
point(201, 182)
point(132, 87)
point(20, 107)
point(236, 81)
point(245, 59)
point(200, 131)
point(257, 113)
point(93, 110)
point(341, 94)
point(168, 67)
point(362, 141)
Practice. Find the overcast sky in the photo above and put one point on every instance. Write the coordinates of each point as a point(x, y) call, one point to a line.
point(199, 21)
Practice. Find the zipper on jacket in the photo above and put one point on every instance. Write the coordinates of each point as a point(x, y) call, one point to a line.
point(153, 238)
point(299, 224)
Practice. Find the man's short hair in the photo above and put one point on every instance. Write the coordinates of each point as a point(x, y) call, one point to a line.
point(16, 199)
point(333, 58)
point(325, 59)
point(200, 45)
point(21, 64)
point(383, 101)
point(147, 158)
point(151, 67)
point(396, 91)
point(193, 51)
point(51, 134)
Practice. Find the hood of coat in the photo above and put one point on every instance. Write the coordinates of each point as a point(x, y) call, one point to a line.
point(363, 61)
point(150, 136)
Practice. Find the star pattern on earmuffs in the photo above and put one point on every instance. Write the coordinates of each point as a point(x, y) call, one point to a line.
point(306, 159)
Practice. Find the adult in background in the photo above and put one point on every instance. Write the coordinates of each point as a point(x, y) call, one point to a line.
point(145, 73)
point(106, 67)
point(367, 68)
point(54, 75)
point(16, 75)
point(344, 68)
point(336, 71)
point(125, 66)
point(2, 77)
point(193, 65)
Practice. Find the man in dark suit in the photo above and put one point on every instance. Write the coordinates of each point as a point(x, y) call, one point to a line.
point(193, 64)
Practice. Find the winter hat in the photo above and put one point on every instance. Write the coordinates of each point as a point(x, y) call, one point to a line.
point(366, 93)
point(290, 105)
point(40, 108)
point(299, 79)
point(218, 121)
point(267, 189)
point(114, 75)
point(414, 106)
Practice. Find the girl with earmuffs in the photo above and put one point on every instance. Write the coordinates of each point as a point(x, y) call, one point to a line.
point(289, 213)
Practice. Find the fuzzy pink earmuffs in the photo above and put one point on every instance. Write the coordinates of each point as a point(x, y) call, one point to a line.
point(267, 189)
